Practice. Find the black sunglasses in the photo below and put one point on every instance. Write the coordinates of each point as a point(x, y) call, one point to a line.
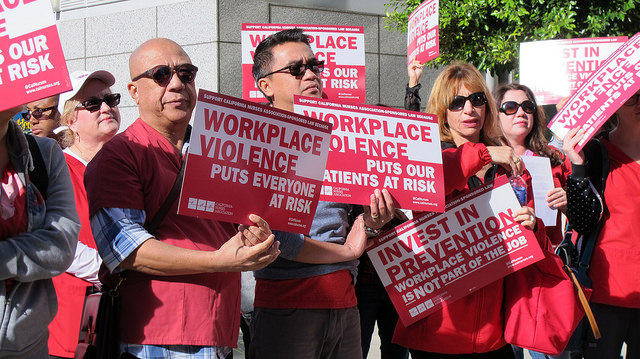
point(299, 69)
point(511, 107)
point(162, 74)
point(477, 99)
point(37, 113)
point(94, 104)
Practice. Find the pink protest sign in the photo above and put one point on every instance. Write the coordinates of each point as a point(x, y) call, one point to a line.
point(340, 47)
point(611, 85)
point(32, 64)
point(441, 257)
point(423, 40)
point(554, 69)
point(248, 158)
point(379, 147)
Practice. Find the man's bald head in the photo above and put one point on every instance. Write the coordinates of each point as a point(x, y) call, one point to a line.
point(163, 102)
point(145, 56)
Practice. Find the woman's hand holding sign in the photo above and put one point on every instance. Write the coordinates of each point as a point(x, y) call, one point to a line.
point(380, 211)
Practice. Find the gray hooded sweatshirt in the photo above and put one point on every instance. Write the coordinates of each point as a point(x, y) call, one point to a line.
point(31, 258)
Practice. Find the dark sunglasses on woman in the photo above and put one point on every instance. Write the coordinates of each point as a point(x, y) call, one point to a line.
point(94, 104)
point(511, 107)
point(477, 99)
point(162, 74)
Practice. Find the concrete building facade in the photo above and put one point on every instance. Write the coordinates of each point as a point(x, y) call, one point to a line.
point(103, 37)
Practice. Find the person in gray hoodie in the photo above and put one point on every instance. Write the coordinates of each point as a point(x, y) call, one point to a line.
point(38, 237)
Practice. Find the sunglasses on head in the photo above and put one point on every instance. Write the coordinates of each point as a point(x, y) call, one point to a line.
point(299, 69)
point(37, 113)
point(477, 99)
point(511, 107)
point(162, 74)
point(94, 104)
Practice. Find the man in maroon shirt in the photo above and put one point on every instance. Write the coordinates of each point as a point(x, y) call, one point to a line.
point(178, 296)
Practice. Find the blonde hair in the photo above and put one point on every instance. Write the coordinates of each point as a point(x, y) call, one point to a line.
point(69, 112)
point(446, 88)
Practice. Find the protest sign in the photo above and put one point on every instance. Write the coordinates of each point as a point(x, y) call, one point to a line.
point(611, 85)
point(340, 47)
point(32, 64)
point(379, 147)
point(554, 69)
point(423, 39)
point(248, 158)
point(440, 258)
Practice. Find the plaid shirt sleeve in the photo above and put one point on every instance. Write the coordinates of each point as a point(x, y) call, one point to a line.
point(118, 232)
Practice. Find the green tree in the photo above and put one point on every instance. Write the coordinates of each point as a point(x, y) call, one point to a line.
point(487, 33)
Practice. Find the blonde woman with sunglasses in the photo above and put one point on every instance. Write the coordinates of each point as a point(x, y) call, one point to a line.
point(91, 112)
point(473, 326)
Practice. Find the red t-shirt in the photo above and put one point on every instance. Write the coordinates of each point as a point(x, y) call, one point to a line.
point(136, 169)
point(330, 291)
point(65, 327)
point(616, 257)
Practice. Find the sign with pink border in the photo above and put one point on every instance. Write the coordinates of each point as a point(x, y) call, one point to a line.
point(32, 64)
point(340, 47)
point(423, 38)
point(438, 258)
point(248, 158)
point(379, 147)
point(610, 86)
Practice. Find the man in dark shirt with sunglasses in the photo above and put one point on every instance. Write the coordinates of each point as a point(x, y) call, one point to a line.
point(178, 296)
point(305, 304)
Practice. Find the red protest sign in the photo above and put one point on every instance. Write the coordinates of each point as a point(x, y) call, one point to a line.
point(602, 94)
point(32, 64)
point(423, 40)
point(247, 158)
point(379, 147)
point(441, 257)
point(554, 69)
point(340, 47)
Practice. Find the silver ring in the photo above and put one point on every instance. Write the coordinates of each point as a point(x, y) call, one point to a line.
point(376, 216)
point(532, 218)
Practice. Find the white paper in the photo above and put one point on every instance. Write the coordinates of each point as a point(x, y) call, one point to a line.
point(541, 183)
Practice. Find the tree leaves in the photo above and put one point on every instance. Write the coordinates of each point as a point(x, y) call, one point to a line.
point(487, 33)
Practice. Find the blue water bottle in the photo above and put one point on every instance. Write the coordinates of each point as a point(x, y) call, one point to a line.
point(520, 188)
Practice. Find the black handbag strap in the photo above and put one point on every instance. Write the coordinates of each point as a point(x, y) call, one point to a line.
point(168, 202)
point(173, 193)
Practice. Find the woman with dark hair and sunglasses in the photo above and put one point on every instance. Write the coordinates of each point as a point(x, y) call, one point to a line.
point(90, 110)
point(523, 125)
point(473, 326)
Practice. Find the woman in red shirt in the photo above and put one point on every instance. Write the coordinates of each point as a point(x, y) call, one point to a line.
point(523, 125)
point(615, 263)
point(90, 110)
point(473, 325)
